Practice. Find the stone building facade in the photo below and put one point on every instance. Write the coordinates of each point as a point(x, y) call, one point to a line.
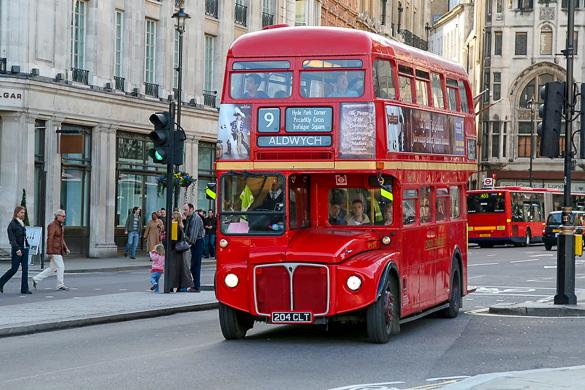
point(78, 82)
point(522, 46)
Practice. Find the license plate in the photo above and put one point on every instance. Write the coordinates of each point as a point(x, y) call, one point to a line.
point(485, 235)
point(291, 317)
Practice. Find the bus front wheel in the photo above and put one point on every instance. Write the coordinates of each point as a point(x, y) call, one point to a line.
point(383, 316)
point(234, 324)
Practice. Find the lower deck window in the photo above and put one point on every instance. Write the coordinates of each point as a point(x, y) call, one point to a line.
point(359, 206)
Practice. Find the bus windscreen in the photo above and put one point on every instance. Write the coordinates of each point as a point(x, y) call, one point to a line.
point(487, 202)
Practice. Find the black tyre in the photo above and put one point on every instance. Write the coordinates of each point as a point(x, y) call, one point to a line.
point(454, 296)
point(486, 245)
point(234, 324)
point(383, 316)
point(548, 246)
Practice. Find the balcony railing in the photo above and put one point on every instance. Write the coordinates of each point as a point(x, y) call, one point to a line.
point(151, 89)
point(80, 75)
point(414, 40)
point(241, 14)
point(209, 98)
point(119, 83)
point(211, 8)
point(267, 19)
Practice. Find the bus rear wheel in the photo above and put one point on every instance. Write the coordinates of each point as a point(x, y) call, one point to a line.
point(383, 316)
point(234, 323)
point(454, 297)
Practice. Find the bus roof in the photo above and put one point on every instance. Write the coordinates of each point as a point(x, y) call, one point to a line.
point(514, 189)
point(331, 41)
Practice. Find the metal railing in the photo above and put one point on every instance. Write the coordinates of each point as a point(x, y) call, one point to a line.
point(80, 75)
point(119, 83)
point(211, 8)
point(267, 19)
point(241, 14)
point(209, 98)
point(151, 89)
point(414, 40)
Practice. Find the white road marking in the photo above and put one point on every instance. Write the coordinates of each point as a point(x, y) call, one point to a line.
point(368, 385)
point(479, 265)
point(524, 261)
point(475, 277)
point(49, 296)
point(98, 289)
point(532, 280)
point(447, 378)
point(512, 295)
point(542, 255)
point(123, 289)
point(550, 267)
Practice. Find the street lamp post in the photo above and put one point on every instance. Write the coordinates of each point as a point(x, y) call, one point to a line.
point(181, 17)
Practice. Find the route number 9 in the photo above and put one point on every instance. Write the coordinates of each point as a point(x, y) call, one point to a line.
point(268, 120)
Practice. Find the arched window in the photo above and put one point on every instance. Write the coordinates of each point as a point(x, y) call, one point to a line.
point(546, 41)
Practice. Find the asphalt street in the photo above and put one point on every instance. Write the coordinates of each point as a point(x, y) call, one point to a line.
point(187, 351)
point(87, 284)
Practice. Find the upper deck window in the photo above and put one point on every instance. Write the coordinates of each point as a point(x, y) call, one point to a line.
point(332, 84)
point(332, 63)
point(422, 88)
point(463, 96)
point(452, 93)
point(438, 101)
point(266, 85)
point(405, 81)
point(260, 65)
point(384, 80)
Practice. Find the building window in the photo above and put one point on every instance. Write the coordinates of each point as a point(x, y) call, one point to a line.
point(496, 139)
point(78, 34)
point(268, 13)
point(525, 5)
point(521, 44)
point(137, 178)
point(498, 43)
point(486, 85)
point(206, 174)
point(150, 50)
point(488, 44)
point(209, 63)
point(488, 5)
point(497, 86)
point(524, 135)
point(300, 13)
point(484, 141)
point(575, 42)
point(499, 6)
point(546, 40)
point(241, 13)
point(119, 41)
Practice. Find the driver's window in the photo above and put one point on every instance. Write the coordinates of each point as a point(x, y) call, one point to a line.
point(409, 198)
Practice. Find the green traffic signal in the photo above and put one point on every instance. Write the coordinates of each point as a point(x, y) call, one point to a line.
point(160, 137)
point(156, 155)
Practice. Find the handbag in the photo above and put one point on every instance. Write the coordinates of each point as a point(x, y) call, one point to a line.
point(182, 246)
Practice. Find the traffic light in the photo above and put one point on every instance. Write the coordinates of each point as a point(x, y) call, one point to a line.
point(161, 137)
point(582, 120)
point(552, 96)
point(179, 147)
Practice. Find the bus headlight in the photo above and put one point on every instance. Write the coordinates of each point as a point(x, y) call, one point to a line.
point(231, 280)
point(354, 283)
point(223, 243)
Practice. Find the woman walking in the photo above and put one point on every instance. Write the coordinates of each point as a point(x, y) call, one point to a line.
point(153, 231)
point(179, 262)
point(19, 251)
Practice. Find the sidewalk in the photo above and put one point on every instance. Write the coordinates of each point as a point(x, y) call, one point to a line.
point(569, 378)
point(542, 308)
point(82, 311)
point(111, 264)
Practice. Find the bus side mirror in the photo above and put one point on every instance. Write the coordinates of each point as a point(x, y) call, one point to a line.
point(210, 192)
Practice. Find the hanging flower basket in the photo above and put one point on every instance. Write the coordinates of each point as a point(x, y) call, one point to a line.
point(181, 179)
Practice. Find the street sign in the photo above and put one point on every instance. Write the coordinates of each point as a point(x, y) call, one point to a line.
point(488, 182)
point(34, 236)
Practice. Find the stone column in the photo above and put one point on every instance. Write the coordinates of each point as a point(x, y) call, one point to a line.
point(52, 169)
point(190, 166)
point(103, 192)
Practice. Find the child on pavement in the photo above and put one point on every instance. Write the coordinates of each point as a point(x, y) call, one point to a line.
point(158, 265)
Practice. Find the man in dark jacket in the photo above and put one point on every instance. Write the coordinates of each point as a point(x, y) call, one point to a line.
point(56, 248)
point(132, 229)
point(210, 231)
point(194, 233)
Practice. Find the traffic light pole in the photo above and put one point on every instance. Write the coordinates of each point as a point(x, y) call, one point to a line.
point(169, 205)
point(566, 249)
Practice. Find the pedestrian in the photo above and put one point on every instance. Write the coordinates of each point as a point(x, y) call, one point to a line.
point(179, 275)
point(153, 231)
point(210, 234)
point(56, 248)
point(194, 232)
point(19, 250)
point(157, 256)
point(132, 229)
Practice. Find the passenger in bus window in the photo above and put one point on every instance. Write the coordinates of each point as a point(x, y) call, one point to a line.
point(341, 86)
point(425, 208)
point(337, 214)
point(358, 216)
point(252, 86)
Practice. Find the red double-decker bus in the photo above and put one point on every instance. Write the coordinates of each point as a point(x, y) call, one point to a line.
point(509, 215)
point(342, 165)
